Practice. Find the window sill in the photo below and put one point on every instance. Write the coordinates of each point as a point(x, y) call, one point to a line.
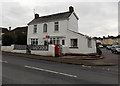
point(56, 31)
point(73, 47)
point(34, 33)
point(89, 47)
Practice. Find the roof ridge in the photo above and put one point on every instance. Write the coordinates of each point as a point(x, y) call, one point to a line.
point(54, 14)
point(57, 16)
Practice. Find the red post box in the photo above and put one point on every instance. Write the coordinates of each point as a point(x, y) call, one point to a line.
point(47, 36)
point(57, 50)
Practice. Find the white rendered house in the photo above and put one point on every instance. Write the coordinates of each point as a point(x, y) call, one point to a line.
point(62, 28)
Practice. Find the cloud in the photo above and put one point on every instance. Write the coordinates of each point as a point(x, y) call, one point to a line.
point(95, 18)
point(14, 14)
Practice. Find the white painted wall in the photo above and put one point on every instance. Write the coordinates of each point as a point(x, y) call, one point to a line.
point(10, 49)
point(50, 52)
point(19, 51)
point(7, 48)
point(82, 44)
point(64, 25)
point(73, 23)
point(40, 34)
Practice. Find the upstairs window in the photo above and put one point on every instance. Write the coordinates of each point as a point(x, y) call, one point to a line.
point(56, 26)
point(45, 28)
point(35, 29)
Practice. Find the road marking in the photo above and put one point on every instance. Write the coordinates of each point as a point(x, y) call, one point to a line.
point(89, 66)
point(84, 66)
point(55, 72)
point(3, 61)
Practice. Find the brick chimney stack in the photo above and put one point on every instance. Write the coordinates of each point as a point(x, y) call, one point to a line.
point(71, 9)
point(36, 16)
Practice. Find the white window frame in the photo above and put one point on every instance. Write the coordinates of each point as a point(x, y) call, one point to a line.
point(34, 41)
point(72, 43)
point(55, 40)
point(56, 26)
point(45, 28)
point(35, 29)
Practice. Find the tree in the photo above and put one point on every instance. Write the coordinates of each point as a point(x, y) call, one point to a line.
point(7, 39)
point(21, 39)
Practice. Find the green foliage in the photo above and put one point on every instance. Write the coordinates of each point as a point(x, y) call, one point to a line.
point(9, 39)
point(21, 39)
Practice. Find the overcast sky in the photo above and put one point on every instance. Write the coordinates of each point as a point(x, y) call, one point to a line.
point(95, 18)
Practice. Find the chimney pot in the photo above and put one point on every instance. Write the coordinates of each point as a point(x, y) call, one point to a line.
point(36, 16)
point(71, 9)
point(9, 28)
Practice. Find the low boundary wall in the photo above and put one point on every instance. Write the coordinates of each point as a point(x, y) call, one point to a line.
point(49, 52)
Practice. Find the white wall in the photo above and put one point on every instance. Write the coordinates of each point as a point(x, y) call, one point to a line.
point(50, 52)
point(11, 49)
point(7, 48)
point(50, 31)
point(64, 25)
point(73, 23)
point(82, 44)
point(19, 51)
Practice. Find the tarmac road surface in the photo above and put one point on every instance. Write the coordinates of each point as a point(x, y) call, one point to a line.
point(20, 70)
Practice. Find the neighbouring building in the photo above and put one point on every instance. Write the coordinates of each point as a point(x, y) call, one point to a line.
point(3, 30)
point(60, 28)
point(19, 35)
point(110, 40)
point(22, 30)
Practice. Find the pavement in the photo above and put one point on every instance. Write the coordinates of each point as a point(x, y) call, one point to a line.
point(19, 70)
point(108, 59)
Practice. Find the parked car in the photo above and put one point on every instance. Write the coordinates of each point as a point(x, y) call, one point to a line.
point(100, 46)
point(109, 47)
point(115, 49)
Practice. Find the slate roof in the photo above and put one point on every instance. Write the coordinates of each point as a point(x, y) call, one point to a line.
point(58, 16)
point(20, 30)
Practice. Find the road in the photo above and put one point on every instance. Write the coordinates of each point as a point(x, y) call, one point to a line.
point(20, 70)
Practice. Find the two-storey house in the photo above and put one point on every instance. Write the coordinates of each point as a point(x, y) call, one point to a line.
point(60, 28)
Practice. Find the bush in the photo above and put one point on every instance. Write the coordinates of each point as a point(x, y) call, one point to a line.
point(21, 39)
point(9, 39)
